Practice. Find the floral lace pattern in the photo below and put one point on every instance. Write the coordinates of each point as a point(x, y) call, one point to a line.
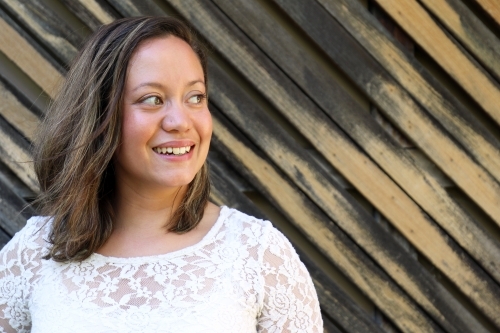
point(243, 276)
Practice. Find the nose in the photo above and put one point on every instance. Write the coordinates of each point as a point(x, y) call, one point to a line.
point(176, 118)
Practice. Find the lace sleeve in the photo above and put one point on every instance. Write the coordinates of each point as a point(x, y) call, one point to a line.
point(14, 314)
point(290, 302)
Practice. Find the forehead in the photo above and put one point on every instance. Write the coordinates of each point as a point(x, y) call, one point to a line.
point(161, 57)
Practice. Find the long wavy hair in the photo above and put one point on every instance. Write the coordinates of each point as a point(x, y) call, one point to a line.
point(81, 131)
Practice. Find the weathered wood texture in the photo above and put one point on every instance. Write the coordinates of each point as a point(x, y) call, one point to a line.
point(325, 110)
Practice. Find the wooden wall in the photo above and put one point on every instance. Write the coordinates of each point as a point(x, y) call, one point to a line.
point(366, 130)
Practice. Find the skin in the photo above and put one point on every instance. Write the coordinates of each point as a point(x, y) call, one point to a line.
point(164, 105)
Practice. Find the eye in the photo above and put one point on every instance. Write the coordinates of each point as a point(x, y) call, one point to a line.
point(152, 100)
point(197, 99)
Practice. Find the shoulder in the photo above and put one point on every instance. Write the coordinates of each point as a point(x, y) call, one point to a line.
point(256, 231)
point(31, 237)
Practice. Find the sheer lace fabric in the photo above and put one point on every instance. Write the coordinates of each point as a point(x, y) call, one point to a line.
point(244, 276)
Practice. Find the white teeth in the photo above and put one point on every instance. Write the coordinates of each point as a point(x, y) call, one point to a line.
point(171, 150)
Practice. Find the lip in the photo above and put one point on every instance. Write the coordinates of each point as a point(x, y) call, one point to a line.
point(175, 144)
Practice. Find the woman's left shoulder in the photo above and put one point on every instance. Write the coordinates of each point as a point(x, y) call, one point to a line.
point(254, 230)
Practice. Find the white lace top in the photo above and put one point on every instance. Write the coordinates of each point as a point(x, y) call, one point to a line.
point(243, 276)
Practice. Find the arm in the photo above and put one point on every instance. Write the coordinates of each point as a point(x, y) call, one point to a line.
point(14, 314)
point(290, 302)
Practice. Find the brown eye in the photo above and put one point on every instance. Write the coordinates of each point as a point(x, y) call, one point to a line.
point(196, 99)
point(152, 100)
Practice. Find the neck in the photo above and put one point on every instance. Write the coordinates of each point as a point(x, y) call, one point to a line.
point(145, 210)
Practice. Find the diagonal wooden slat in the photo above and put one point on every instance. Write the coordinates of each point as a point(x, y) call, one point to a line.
point(14, 153)
point(420, 26)
point(16, 113)
point(418, 183)
point(56, 35)
point(91, 12)
point(407, 114)
point(13, 209)
point(41, 71)
point(469, 30)
point(492, 7)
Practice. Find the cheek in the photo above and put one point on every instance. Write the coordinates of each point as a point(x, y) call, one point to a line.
point(205, 127)
point(135, 129)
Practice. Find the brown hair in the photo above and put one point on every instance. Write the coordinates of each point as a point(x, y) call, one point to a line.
point(81, 132)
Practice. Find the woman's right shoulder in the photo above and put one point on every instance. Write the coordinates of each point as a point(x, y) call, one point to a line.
point(32, 237)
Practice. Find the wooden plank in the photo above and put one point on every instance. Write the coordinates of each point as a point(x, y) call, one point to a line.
point(299, 167)
point(469, 30)
point(334, 302)
point(408, 115)
point(421, 27)
point(20, 51)
point(492, 7)
point(13, 209)
point(93, 13)
point(16, 113)
point(4, 237)
point(441, 104)
point(417, 182)
point(315, 226)
point(337, 304)
point(358, 169)
point(46, 26)
point(330, 327)
point(15, 154)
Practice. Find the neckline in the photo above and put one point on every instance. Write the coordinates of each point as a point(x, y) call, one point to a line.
point(224, 212)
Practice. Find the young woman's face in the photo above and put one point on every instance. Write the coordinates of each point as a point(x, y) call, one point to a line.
point(166, 126)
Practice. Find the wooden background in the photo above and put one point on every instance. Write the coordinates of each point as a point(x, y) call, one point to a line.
point(366, 130)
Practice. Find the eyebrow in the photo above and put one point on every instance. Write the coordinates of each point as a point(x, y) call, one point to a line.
point(160, 86)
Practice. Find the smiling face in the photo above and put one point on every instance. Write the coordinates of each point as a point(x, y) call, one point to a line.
point(166, 124)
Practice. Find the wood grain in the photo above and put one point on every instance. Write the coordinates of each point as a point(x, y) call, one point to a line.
point(15, 154)
point(411, 119)
point(17, 114)
point(399, 164)
point(46, 26)
point(420, 26)
point(469, 30)
point(90, 12)
point(492, 7)
point(16, 48)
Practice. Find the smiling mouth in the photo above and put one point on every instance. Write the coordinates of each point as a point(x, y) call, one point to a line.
point(172, 150)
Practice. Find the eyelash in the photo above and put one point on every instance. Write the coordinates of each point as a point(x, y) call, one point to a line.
point(202, 97)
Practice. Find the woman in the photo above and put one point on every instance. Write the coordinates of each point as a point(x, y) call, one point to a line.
point(132, 243)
